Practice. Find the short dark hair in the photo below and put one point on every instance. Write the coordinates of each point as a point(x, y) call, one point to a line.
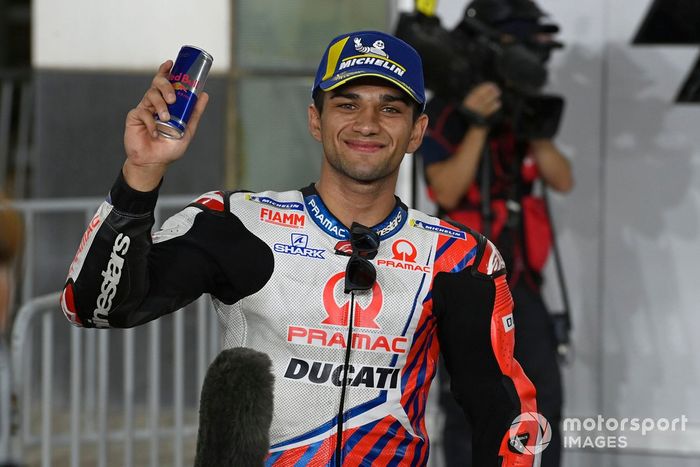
point(318, 103)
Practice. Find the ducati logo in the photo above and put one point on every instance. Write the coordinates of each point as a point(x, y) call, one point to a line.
point(338, 313)
point(404, 250)
point(344, 248)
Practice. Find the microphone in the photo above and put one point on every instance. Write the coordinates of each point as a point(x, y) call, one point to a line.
point(235, 410)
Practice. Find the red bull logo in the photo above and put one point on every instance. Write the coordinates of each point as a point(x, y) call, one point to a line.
point(183, 81)
point(179, 87)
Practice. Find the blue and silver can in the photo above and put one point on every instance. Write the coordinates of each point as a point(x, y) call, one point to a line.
point(188, 75)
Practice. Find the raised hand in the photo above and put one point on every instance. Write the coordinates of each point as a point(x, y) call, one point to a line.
point(149, 153)
point(484, 99)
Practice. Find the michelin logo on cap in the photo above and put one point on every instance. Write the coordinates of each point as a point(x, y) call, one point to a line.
point(376, 49)
point(371, 53)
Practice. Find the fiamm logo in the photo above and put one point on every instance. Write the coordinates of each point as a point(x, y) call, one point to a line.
point(286, 219)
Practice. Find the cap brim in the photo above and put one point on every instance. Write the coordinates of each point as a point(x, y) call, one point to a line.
point(548, 28)
point(331, 83)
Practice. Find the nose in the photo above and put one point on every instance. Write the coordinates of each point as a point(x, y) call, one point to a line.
point(367, 121)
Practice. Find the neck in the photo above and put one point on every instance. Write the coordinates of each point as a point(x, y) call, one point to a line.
point(351, 201)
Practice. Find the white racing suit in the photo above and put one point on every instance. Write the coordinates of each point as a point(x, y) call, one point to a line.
point(274, 265)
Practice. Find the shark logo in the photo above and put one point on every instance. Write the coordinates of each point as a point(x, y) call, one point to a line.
point(376, 49)
point(298, 246)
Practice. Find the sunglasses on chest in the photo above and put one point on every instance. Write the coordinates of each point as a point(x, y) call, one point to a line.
point(360, 273)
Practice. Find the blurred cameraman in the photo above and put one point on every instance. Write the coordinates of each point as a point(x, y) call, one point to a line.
point(489, 141)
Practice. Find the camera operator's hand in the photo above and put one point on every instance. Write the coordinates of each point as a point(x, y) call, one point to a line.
point(483, 100)
point(449, 179)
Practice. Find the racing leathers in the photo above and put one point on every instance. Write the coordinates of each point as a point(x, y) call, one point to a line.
point(274, 265)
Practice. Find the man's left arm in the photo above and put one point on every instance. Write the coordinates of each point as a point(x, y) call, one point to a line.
point(476, 333)
point(553, 166)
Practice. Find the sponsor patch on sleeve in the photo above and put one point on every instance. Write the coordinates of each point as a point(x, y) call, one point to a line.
point(213, 200)
point(439, 229)
point(293, 205)
point(491, 261)
point(508, 324)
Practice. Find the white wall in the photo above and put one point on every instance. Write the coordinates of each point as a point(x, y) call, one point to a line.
point(652, 206)
point(577, 73)
point(629, 231)
point(126, 35)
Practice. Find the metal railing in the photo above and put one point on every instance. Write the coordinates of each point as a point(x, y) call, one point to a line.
point(91, 421)
point(82, 423)
point(5, 398)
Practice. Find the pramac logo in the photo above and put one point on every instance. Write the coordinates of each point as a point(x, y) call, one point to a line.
point(404, 250)
point(369, 339)
point(405, 254)
point(338, 313)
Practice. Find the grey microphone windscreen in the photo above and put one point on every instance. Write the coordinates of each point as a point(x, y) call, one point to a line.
point(235, 410)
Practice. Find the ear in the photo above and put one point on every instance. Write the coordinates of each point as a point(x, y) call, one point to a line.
point(417, 133)
point(314, 122)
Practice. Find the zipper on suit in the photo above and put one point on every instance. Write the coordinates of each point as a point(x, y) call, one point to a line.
point(341, 408)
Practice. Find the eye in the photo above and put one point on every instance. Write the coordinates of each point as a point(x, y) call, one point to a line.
point(346, 105)
point(391, 109)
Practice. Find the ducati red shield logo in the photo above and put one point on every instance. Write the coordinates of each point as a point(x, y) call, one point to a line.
point(344, 248)
point(338, 313)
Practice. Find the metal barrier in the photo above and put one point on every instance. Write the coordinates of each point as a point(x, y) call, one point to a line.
point(31, 210)
point(5, 420)
point(155, 421)
point(84, 430)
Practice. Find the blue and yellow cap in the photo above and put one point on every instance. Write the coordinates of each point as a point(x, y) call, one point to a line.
point(371, 53)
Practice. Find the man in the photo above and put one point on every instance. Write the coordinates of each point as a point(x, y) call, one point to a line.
point(463, 132)
point(351, 316)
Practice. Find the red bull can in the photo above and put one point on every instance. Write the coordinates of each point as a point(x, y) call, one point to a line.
point(188, 75)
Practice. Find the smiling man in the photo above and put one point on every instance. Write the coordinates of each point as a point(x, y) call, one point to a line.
point(351, 293)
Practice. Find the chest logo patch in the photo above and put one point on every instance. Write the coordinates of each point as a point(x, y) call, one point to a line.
point(286, 219)
point(403, 250)
point(338, 313)
point(404, 257)
point(298, 246)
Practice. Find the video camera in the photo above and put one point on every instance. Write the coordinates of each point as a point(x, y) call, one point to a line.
point(456, 60)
